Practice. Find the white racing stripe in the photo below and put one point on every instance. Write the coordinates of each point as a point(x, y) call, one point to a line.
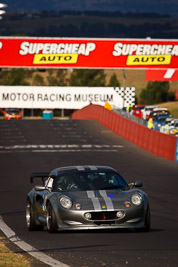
point(95, 200)
point(107, 200)
point(28, 248)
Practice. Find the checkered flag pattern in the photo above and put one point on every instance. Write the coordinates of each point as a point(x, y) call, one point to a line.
point(127, 94)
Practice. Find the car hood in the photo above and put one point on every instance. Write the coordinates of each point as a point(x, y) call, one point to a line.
point(102, 199)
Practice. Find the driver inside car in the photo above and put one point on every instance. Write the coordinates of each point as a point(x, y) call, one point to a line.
point(65, 183)
point(70, 184)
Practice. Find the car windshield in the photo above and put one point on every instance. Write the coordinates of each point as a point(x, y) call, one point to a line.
point(159, 113)
point(13, 111)
point(84, 181)
point(161, 118)
point(167, 122)
point(149, 108)
point(139, 108)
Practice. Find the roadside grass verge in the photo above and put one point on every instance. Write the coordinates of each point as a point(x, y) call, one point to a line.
point(172, 107)
point(9, 258)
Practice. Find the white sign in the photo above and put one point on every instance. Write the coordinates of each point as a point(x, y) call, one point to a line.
point(50, 97)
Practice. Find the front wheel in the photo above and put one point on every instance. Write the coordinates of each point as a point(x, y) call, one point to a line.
point(51, 220)
point(30, 220)
point(147, 223)
point(147, 220)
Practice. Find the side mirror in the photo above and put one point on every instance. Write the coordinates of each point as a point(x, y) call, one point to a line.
point(138, 184)
point(39, 188)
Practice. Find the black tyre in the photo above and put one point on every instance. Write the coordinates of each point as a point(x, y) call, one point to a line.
point(147, 220)
point(51, 219)
point(31, 224)
point(146, 227)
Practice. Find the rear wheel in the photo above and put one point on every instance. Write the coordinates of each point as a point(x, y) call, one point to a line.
point(31, 224)
point(51, 219)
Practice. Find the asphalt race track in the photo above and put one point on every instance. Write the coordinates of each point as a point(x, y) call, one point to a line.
point(41, 145)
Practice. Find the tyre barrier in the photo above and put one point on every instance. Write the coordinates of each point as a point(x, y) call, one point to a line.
point(161, 144)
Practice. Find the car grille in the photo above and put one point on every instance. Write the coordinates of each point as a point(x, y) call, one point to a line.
point(107, 215)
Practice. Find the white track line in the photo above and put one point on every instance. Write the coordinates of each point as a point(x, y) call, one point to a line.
point(58, 151)
point(28, 248)
point(58, 146)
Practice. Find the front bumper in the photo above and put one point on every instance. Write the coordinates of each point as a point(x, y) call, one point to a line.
point(75, 220)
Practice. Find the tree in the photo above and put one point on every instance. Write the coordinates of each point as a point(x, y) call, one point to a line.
point(113, 82)
point(38, 80)
point(57, 78)
point(156, 92)
point(93, 78)
point(14, 77)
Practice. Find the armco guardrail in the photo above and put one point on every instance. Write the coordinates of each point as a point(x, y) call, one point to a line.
point(163, 145)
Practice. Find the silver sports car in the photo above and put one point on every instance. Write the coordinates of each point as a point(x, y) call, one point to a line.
point(86, 197)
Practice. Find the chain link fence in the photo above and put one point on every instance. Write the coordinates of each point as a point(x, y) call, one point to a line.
point(129, 116)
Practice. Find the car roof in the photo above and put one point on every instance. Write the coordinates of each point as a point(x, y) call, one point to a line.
point(158, 108)
point(169, 119)
point(160, 111)
point(82, 168)
point(150, 106)
point(139, 106)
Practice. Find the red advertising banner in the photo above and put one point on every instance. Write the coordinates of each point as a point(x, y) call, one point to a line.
point(162, 75)
point(88, 53)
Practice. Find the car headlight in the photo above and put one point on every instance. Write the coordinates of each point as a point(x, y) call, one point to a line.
point(136, 199)
point(66, 202)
